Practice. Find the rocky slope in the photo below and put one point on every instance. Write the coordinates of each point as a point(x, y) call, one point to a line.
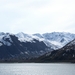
point(64, 54)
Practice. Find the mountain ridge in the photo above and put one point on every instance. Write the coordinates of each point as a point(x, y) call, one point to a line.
point(23, 46)
point(57, 38)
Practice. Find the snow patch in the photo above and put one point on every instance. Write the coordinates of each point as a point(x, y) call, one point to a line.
point(1, 44)
point(56, 43)
point(25, 39)
point(26, 53)
point(3, 38)
point(73, 55)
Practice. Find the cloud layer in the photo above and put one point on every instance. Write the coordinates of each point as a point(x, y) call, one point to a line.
point(37, 16)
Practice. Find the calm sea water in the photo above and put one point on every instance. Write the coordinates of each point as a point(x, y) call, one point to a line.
point(37, 69)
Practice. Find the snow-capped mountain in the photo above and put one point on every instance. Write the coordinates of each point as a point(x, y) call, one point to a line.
point(5, 39)
point(64, 54)
point(22, 37)
point(23, 46)
point(59, 39)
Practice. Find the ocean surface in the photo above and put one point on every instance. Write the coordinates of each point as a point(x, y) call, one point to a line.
point(37, 69)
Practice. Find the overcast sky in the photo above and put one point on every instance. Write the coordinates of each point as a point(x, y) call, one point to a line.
point(37, 16)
